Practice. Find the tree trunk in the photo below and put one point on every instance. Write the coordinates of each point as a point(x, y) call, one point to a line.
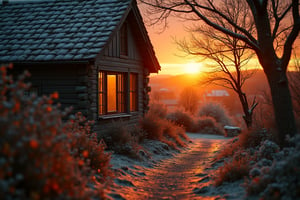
point(282, 104)
point(247, 115)
point(248, 119)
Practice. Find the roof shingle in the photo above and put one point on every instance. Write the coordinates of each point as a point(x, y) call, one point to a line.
point(57, 30)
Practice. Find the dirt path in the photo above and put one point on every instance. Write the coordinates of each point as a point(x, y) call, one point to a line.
point(175, 178)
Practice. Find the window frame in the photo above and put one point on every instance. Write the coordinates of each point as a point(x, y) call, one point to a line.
point(103, 93)
point(133, 92)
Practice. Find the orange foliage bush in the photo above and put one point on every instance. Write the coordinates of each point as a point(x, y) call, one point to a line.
point(41, 156)
point(175, 133)
point(232, 170)
point(157, 128)
point(153, 126)
point(85, 145)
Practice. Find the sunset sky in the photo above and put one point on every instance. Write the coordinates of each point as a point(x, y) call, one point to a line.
point(171, 59)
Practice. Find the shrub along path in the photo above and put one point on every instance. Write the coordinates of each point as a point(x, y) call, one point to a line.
point(173, 178)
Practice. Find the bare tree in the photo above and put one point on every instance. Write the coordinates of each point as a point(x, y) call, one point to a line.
point(277, 25)
point(189, 99)
point(230, 56)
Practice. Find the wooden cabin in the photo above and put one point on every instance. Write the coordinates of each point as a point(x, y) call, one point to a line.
point(95, 53)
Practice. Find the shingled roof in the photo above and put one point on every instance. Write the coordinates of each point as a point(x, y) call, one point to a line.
point(53, 30)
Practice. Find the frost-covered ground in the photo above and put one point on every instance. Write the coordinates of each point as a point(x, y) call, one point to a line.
point(163, 173)
point(233, 191)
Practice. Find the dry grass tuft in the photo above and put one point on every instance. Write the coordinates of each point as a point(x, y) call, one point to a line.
point(233, 170)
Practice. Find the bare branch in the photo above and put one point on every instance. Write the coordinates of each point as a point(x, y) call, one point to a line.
point(253, 105)
point(251, 43)
point(292, 36)
point(278, 19)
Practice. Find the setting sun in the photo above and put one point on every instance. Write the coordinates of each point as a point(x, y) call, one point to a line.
point(192, 68)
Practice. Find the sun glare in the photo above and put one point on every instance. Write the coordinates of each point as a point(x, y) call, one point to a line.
point(193, 68)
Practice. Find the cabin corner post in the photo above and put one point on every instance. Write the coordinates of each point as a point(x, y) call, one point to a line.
point(92, 92)
point(87, 85)
point(82, 91)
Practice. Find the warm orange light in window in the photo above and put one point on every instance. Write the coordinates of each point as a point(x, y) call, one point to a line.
point(111, 93)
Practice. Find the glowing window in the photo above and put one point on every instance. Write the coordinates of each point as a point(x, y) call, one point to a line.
point(111, 93)
point(102, 94)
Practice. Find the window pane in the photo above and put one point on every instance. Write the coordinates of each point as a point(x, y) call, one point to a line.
point(111, 93)
point(133, 92)
point(121, 93)
point(101, 90)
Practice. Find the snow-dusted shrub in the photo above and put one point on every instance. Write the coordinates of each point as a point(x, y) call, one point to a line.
point(264, 163)
point(268, 149)
point(216, 111)
point(184, 119)
point(279, 180)
point(254, 172)
point(208, 125)
point(253, 138)
point(248, 139)
point(40, 157)
point(120, 140)
point(117, 134)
